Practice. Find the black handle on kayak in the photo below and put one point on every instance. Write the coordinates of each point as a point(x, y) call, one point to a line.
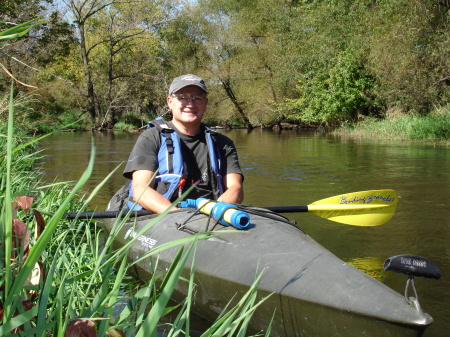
point(412, 265)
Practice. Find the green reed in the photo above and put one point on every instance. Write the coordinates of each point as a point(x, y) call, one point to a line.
point(434, 127)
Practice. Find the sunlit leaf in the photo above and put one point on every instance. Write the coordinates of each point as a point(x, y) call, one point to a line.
point(25, 202)
point(81, 328)
point(21, 234)
point(115, 333)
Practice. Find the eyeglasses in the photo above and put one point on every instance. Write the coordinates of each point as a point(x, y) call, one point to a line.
point(185, 98)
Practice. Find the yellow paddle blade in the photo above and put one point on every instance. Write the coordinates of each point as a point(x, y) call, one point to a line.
point(365, 208)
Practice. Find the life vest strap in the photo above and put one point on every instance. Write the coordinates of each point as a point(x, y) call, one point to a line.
point(170, 151)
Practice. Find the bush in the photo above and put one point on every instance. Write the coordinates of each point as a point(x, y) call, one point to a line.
point(433, 127)
point(124, 126)
point(332, 95)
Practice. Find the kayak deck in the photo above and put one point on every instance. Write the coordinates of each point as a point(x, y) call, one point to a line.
point(311, 291)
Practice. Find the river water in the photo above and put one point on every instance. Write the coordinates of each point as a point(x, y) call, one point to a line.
point(294, 167)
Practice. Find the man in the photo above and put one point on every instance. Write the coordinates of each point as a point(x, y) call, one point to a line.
point(209, 159)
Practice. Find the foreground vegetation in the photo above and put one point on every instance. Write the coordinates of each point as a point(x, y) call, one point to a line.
point(433, 128)
point(265, 61)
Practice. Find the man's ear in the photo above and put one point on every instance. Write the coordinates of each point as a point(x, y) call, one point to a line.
point(169, 100)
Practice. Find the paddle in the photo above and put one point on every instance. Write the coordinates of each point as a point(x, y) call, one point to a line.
point(365, 208)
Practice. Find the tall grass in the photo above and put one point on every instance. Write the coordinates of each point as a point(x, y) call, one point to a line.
point(59, 278)
point(434, 127)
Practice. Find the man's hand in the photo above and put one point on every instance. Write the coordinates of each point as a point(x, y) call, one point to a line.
point(234, 190)
point(145, 193)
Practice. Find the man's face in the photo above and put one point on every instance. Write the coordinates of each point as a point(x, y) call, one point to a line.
point(188, 105)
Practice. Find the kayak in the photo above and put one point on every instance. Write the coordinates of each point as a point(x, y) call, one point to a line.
point(308, 290)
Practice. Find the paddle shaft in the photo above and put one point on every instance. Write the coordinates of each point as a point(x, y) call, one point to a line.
point(286, 209)
point(104, 214)
point(115, 214)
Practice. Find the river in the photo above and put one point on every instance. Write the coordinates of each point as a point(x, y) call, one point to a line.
point(293, 167)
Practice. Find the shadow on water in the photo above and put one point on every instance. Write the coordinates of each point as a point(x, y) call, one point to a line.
point(293, 167)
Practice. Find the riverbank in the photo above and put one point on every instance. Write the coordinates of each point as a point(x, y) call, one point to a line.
point(433, 128)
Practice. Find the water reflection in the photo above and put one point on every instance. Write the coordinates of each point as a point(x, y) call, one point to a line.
point(371, 265)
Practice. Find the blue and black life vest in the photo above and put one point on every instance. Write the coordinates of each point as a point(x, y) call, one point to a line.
point(172, 170)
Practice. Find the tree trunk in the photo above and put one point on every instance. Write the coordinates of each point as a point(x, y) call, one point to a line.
point(276, 121)
point(92, 106)
point(110, 82)
point(227, 86)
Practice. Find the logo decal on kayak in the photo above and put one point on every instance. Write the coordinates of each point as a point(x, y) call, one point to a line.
point(413, 262)
point(144, 240)
point(367, 199)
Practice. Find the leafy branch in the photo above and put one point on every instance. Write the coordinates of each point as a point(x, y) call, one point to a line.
point(14, 33)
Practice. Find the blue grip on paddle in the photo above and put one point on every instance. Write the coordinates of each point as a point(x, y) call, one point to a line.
point(237, 218)
point(189, 203)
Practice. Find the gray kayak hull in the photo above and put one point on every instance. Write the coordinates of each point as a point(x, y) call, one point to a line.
point(312, 292)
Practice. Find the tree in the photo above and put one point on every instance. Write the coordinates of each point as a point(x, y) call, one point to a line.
point(83, 12)
point(130, 51)
point(119, 53)
point(409, 52)
point(247, 48)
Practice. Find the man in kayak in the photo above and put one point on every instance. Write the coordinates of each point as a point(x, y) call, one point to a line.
point(160, 172)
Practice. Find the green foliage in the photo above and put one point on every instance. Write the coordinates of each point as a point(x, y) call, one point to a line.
point(331, 95)
point(68, 120)
point(17, 31)
point(33, 117)
point(24, 10)
point(22, 176)
point(402, 53)
point(434, 127)
point(283, 43)
point(123, 126)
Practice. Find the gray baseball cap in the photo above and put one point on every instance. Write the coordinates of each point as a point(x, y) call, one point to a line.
point(185, 80)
